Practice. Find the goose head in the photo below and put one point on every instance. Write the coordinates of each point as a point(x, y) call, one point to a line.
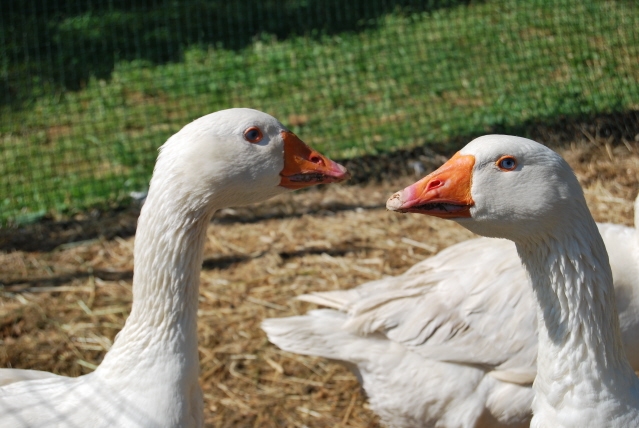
point(235, 157)
point(498, 186)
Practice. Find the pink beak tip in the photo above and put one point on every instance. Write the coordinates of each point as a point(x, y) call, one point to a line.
point(395, 202)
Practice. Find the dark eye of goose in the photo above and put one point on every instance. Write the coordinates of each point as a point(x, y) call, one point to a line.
point(507, 163)
point(253, 135)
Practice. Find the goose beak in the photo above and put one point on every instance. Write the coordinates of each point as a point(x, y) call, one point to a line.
point(304, 167)
point(444, 193)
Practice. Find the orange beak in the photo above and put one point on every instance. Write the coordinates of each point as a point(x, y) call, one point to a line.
point(304, 167)
point(444, 193)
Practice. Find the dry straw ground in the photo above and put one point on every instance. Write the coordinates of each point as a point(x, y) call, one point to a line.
point(60, 310)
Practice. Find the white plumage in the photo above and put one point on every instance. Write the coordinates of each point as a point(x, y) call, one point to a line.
point(149, 378)
point(451, 342)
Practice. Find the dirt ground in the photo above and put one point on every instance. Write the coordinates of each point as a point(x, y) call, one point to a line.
point(60, 309)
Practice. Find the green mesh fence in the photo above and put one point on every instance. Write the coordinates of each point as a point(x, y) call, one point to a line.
point(89, 90)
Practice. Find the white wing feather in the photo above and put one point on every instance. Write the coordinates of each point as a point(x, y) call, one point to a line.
point(454, 337)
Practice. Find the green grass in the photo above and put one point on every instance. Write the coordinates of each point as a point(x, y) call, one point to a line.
point(412, 79)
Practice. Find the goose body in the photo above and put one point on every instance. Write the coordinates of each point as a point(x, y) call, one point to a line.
point(149, 378)
point(464, 325)
point(517, 189)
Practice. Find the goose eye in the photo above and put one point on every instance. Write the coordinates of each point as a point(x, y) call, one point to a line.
point(253, 135)
point(507, 163)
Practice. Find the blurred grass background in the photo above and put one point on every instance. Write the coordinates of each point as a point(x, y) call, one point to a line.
point(89, 90)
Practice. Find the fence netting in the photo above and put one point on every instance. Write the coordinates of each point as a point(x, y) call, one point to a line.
point(89, 90)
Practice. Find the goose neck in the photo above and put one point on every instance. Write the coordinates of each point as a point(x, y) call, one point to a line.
point(580, 348)
point(167, 261)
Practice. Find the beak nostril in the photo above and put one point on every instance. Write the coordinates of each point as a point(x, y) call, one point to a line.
point(434, 185)
point(316, 159)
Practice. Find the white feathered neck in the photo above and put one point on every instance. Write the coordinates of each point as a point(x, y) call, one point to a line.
point(168, 255)
point(155, 356)
point(583, 376)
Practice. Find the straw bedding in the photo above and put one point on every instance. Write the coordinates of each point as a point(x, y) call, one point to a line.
point(60, 309)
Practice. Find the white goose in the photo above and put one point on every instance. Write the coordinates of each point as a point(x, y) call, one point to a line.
point(451, 342)
point(514, 188)
point(149, 378)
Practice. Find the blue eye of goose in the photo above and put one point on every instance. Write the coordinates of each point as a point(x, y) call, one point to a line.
point(507, 163)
